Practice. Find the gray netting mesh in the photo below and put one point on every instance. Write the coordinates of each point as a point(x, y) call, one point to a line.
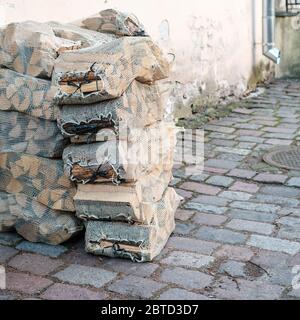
point(140, 243)
point(126, 202)
point(115, 22)
point(141, 105)
point(122, 160)
point(22, 133)
point(28, 95)
point(104, 72)
point(36, 222)
point(38, 178)
point(31, 48)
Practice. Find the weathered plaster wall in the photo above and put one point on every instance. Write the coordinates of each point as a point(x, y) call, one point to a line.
point(217, 43)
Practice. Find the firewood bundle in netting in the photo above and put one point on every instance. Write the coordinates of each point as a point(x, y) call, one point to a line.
point(83, 107)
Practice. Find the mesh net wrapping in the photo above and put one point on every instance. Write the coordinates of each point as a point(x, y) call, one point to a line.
point(140, 243)
point(122, 160)
point(23, 133)
point(36, 222)
point(104, 72)
point(28, 95)
point(38, 178)
point(115, 22)
point(125, 202)
point(31, 48)
point(141, 105)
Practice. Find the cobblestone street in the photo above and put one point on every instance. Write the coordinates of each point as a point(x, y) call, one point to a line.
point(238, 229)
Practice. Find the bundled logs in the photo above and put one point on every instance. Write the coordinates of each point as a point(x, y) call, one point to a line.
point(84, 139)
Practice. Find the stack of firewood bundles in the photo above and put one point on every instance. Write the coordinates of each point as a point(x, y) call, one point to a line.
point(85, 139)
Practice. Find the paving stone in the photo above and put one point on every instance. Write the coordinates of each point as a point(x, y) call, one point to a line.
point(220, 181)
point(184, 229)
point(274, 244)
point(78, 255)
point(136, 287)
point(248, 126)
point(246, 145)
point(221, 164)
point(282, 136)
point(270, 259)
point(130, 268)
point(251, 133)
point(180, 173)
point(209, 219)
point(25, 283)
point(187, 279)
point(215, 170)
point(289, 221)
point(7, 253)
point(9, 239)
point(252, 215)
point(183, 215)
point(219, 129)
point(245, 187)
point(238, 151)
point(82, 275)
point(234, 253)
point(230, 157)
point(252, 206)
point(282, 276)
point(44, 249)
point(236, 195)
point(240, 289)
point(233, 268)
point(250, 139)
point(279, 130)
point(183, 193)
point(7, 298)
point(200, 188)
point(271, 178)
point(181, 294)
point(187, 259)
point(289, 232)
point(293, 212)
point(281, 191)
point(205, 208)
point(199, 177)
point(223, 143)
point(241, 173)
point(224, 136)
point(251, 226)
point(192, 245)
point(287, 202)
point(61, 291)
point(294, 182)
point(220, 235)
point(36, 264)
point(212, 200)
point(279, 142)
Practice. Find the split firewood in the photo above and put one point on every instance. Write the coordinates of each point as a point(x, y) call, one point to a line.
point(141, 105)
point(36, 222)
point(7, 220)
point(23, 133)
point(104, 72)
point(31, 48)
point(38, 178)
point(122, 160)
point(115, 22)
point(87, 38)
point(126, 202)
point(27, 95)
point(140, 243)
